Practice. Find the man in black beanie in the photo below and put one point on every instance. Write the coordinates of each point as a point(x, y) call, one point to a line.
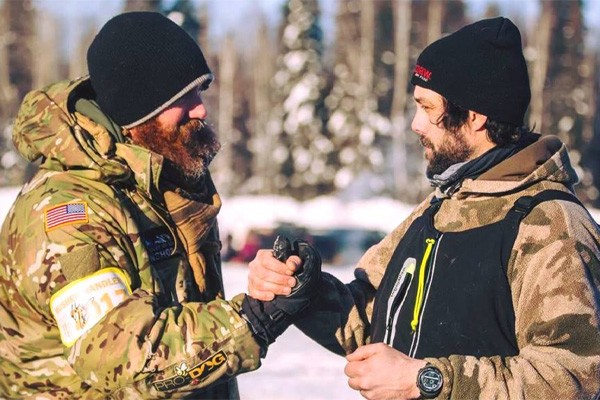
point(111, 273)
point(489, 289)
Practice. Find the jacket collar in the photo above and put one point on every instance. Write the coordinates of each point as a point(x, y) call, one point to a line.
point(545, 160)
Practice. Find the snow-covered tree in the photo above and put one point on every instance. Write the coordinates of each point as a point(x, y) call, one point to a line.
point(359, 132)
point(262, 139)
point(184, 14)
point(301, 150)
point(566, 109)
point(17, 46)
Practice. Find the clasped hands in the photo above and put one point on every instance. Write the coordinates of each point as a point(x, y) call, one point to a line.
point(377, 371)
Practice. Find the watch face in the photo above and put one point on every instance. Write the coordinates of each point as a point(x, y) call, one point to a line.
point(430, 380)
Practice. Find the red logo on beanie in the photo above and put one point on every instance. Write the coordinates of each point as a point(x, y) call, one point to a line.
point(422, 73)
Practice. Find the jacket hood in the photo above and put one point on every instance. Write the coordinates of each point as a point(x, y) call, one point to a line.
point(48, 127)
point(547, 159)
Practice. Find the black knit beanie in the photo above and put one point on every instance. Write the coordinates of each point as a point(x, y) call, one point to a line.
point(140, 63)
point(481, 68)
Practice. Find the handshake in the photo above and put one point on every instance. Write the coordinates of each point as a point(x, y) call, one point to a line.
point(269, 319)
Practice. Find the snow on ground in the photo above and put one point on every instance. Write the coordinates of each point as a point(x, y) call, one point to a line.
point(238, 214)
point(295, 367)
point(7, 197)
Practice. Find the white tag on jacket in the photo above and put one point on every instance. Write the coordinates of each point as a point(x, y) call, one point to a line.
point(82, 303)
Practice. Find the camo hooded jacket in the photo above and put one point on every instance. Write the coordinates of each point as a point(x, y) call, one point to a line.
point(553, 273)
point(110, 284)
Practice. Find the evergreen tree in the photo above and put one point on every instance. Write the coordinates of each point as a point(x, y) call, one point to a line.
point(592, 156)
point(142, 5)
point(18, 43)
point(20, 16)
point(358, 131)
point(383, 61)
point(454, 16)
point(233, 166)
point(263, 139)
point(565, 103)
point(184, 14)
point(302, 150)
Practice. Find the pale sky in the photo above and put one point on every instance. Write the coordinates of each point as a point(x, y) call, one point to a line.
point(242, 15)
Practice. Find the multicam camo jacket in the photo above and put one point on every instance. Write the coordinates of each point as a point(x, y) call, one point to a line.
point(553, 272)
point(97, 296)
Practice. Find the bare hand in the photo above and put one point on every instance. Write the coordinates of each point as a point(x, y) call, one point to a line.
point(268, 277)
point(380, 372)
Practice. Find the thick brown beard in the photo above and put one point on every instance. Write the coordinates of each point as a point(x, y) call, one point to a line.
point(454, 149)
point(188, 149)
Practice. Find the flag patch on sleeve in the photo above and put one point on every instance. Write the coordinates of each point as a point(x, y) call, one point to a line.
point(65, 214)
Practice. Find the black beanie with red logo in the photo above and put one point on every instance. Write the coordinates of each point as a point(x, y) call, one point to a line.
point(481, 68)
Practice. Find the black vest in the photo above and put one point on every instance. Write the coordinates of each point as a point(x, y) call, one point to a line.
point(448, 293)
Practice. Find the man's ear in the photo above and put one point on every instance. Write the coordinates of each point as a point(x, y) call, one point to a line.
point(127, 133)
point(477, 121)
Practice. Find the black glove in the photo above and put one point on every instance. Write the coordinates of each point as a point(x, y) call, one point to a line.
point(269, 319)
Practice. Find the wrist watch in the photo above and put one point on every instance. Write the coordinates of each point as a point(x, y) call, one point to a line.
point(430, 381)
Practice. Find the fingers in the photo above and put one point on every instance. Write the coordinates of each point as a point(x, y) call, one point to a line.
point(268, 277)
point(261, 295)
point(352, 371)
point(364, 352)
point(357, 379)
point(293, 264)
point(360, 371)
point(354, 383)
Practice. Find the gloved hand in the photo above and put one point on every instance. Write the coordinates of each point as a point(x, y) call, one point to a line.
point(269, 319)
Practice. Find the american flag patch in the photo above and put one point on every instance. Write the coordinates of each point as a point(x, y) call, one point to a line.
point(65, 214)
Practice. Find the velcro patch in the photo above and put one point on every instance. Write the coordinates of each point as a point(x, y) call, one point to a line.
point(65, 214)
point(159, 243)
point(82, 303)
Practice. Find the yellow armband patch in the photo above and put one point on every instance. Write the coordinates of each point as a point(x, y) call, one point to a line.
point(82, 303)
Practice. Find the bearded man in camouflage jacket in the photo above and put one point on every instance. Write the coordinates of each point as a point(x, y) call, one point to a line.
point(490, 289)
point(111, 280)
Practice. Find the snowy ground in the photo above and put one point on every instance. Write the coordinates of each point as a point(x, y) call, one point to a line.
point(295, 367)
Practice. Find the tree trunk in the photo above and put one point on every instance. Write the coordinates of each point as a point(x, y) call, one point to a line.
point(46, 68)
point(435, 11)
point(540, 65)
point(401, 76)
point(7, 90)
point(367, 39)
point(226, 75)
point(262, 139)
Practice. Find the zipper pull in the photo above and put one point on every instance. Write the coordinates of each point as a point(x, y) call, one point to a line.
point(388, 331)
point(421, 288)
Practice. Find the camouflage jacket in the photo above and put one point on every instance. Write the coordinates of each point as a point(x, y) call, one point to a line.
point(553, 273)
point(99, 297)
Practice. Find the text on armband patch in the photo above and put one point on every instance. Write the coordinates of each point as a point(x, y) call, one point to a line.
point(82, 303)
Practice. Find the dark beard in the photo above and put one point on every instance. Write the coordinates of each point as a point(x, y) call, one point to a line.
point(187, 150)
point(452, 151)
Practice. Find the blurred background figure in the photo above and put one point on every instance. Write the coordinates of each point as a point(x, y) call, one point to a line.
point(228, 252)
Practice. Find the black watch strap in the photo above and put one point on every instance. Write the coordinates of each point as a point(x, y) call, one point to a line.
point(430, 381)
